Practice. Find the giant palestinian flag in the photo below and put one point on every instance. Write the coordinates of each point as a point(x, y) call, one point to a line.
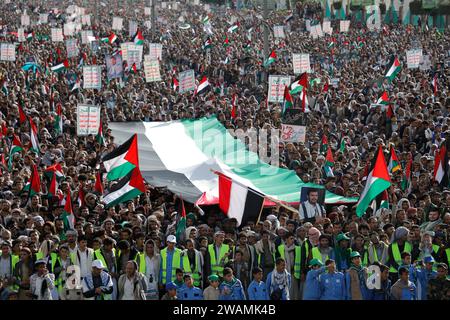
point(181, 156)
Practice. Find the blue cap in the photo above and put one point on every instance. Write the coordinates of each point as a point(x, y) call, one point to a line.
point(428, 259)
point(171, 286)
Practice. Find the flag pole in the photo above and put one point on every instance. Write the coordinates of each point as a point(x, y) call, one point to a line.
point(260, 212)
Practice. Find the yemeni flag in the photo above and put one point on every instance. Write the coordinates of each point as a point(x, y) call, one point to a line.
point(324, 144)
point(377, 181)
point(15, 148)
point(175, 84)
point(99, 137)
point(234, 101)
point(98, 186)
point(181, 224)
point(439, 165)
point(203, 86)
point(299, 83)
point(22, 115)
point(207, 44)
point(394, 162)
point(138, 38)
point(288, 101)
point(122, 160)
point(406, 182)
point(34, 182)
point(67, 216)
point(226, 41)
point(383, 99)
point(329, 163)
point(58, 119)
point(271, 59)
point(55, 169)
point(239, 201)
point(34, 137)
point(128, 188)
point(393, 68)
point(61, 66)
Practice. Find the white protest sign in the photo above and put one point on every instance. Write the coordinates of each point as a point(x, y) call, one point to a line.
point(292, 133)
point(132, 28)
point(301, 63)
point(147, 11)
point(186, 80)
point(25, 20)
point(117, 23)
point(413, 58)
point(86, 20)
point(326, 27)
point(7, 52)
point(69, 29)
point(344, 25)
point(425, 63)
point(43, 18)
point(155, 51)
point(85, 34)
point(72, 48)
point(276, 87)
point(88, 119)
point(163, 5)
point(133, 57)
point(278, 31)
point(373, 21)
point(207, 8)
point(151, 70)
point(92, 77)
point(21, 35)
point(57, 35)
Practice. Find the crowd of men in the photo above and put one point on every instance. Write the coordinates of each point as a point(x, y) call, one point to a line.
point(130, 251)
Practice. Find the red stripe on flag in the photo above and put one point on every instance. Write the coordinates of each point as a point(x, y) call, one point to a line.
point(224, 193)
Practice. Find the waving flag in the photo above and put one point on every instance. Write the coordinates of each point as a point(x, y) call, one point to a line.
point(271, 59)
point(34, 137)
point(15, 148)
point(393, 69)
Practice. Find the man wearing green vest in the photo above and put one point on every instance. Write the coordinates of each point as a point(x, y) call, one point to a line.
point(148, 263)
point(107, 255)
point(192, 260)
point(395, 251)
point(217, 255)
point(323, 251)
point(8, 263)
point(170, 261)
point(292, 255)
point(377, 251)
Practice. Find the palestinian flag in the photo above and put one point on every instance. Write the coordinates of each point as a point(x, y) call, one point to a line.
point(377, 181)
point(207, 45)
point(288, 101)
point(56, 170)
point(34, 182)
point(61, 67)
point(5, 87)
point(30, 36)
point(22, 115)
point(34, 137)
point(342, 145)
point(181, 224)
point(383, 99)
point(133, 68)
point(99, 137)
point(329, 163)
point(304, 98)
point(271, 59)
point(138, 38)
point(67, 215)
point(233, 28)
point(239, 201)
point(205, 20)
point(128, 188)
point(325, 87)
point(324, 144)
point(112, 38)
point(394, 162)
point(98, 187)
point(439, 164)
point(406, 182)
point(299, 83)
point(163, 147)
point(175, 84)
point(15, 147)
point(393, 68)
point(81, 197)
point(53, 189)
point(203, 86)
point(234, 101)
point(226, 41)
point(122, 160)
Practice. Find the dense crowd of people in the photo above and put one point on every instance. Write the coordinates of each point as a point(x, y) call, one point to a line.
point(130, 252)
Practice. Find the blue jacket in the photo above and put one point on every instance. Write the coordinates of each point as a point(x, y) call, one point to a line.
point(231, 291)
point(312, 285)
point(193, 293)
point(384, 293)
point(412, 272)
point(271, 287)
point(258, 291)
point(423, 276)
point(332, 286)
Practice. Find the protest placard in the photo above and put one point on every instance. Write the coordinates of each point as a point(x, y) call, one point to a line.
point(276, 87)
point(114, 66)
point(25, 20)
point(69, 29)
point(301, 63)
point(88, 119)
point(7, 52)
point(413, 58)
point(85, 35)
point(92, 77)
point(132, 28)
point(57, 35)
point(151, 70)
point(344, 25)
point(133, 57)
point(72, 48)
point(21, 34)
point(86, 20)
point(425, 63)
point(147, 11)
point(278, 31)
point(292, 133)
point(155, 51)
point(186, 80)
point(117, 23)
point(163, 5)
point(326, 27)
point(43, 18)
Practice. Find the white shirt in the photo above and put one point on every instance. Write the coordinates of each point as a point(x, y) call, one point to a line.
point(83, 261)
point(311, 210)
point(128, 293)
point(5, 267)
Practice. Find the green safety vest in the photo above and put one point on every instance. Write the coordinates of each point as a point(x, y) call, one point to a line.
point(98, 255)
point(39, 255)
point(176, 258)
point(14, 260)
point(317, 255)
point(259, 258)
point(187, 269)
point(297, 258)
point(216, 268)
point(447, 252)
point(140, 259)
point(397, 255)
point(59, 282)
point(365, 261)
point(435, 248)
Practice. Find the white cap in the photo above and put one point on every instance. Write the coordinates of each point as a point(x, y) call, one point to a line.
point(98, 264)
point(171, 238)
